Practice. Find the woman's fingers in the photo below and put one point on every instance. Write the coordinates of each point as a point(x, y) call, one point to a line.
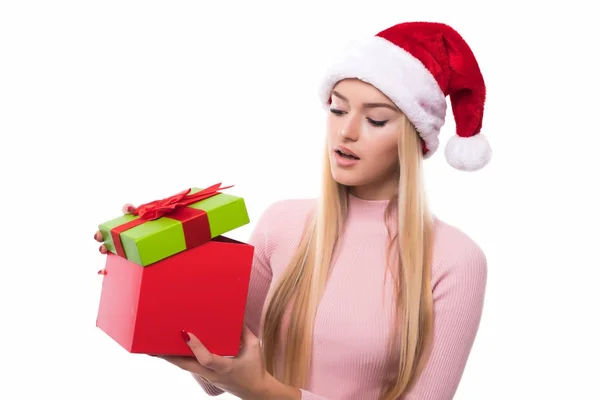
point(98, 237)
point(206, 358)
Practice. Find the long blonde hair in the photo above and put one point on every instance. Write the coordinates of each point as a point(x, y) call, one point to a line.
point(301, 285)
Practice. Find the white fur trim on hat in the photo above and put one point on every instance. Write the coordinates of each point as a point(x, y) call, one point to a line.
point(400, 76)
point(468, 153)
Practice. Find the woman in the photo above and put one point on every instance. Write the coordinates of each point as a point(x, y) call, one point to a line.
point(347, 305)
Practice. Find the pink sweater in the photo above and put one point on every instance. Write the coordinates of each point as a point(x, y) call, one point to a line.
point(350, 353)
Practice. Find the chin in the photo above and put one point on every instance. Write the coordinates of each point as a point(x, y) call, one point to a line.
point(347, 177)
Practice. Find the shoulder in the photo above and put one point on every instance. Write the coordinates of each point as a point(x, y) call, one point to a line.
point(455, 253)
point(284, 212)
point(289, 208)
point(284, 219)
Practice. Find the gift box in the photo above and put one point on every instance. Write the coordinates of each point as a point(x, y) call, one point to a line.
point(162, 228)
point(202, 290)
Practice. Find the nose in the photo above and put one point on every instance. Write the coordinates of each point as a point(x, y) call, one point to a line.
point(350, 128)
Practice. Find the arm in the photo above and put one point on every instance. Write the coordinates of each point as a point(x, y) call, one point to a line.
point(459, 293)
point(260, 280)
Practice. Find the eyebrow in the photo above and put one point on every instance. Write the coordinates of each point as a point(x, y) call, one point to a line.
point(367, 105)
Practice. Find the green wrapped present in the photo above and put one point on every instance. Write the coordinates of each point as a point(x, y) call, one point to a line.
point(162, 228)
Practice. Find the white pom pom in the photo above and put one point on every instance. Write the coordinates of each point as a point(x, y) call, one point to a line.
point(468, 153)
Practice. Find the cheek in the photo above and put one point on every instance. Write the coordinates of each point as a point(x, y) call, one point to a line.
point(384, 160)
point(332, 127)
point(384, 150)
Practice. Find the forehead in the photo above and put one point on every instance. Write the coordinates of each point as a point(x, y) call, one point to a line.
point(357, 92)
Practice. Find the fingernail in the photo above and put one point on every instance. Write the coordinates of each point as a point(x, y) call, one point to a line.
point(185, 336)
point(102, 249)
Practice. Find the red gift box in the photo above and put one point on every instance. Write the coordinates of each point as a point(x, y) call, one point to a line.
point(202, 290)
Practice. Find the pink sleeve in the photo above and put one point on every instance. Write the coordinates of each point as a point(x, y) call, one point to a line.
point(260, 280)
point(458, 292)
point(210, 389)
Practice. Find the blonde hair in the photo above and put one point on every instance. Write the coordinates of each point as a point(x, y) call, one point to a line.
point(301, 286)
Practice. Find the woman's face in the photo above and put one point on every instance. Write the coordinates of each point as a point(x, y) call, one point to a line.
point(363, 123)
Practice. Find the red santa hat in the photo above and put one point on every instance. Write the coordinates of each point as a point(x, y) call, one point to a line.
point(418, 64)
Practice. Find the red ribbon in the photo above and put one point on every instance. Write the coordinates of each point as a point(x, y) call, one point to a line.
point(158, 208)
point(194, 221)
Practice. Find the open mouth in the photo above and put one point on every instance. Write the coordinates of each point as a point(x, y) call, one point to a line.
point(346, 155)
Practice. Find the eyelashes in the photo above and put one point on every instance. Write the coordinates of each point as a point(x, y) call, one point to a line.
point(377, 123)
point(373, 122)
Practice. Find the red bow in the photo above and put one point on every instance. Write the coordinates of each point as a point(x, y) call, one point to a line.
point(157, 208)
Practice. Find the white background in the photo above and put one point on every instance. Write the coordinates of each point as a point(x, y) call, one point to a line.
point(108, 102)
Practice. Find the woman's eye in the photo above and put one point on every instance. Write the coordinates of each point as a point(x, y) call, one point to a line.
point(371, 121)
point(376, 123)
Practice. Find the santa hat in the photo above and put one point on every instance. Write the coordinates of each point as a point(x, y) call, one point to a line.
point(418, 64)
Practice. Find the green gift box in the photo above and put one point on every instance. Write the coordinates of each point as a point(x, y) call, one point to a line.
point(162, 228)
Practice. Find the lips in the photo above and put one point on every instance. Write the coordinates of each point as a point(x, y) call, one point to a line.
point(347, 153)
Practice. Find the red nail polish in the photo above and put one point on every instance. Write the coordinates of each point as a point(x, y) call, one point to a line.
point(185, 336)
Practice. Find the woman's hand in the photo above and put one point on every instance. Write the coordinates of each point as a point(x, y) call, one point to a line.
point(244, 376)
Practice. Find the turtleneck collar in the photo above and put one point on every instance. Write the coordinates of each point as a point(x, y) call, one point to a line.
point(357, 204)
point(372, 211)
point(363, 210)
point(367, 217)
